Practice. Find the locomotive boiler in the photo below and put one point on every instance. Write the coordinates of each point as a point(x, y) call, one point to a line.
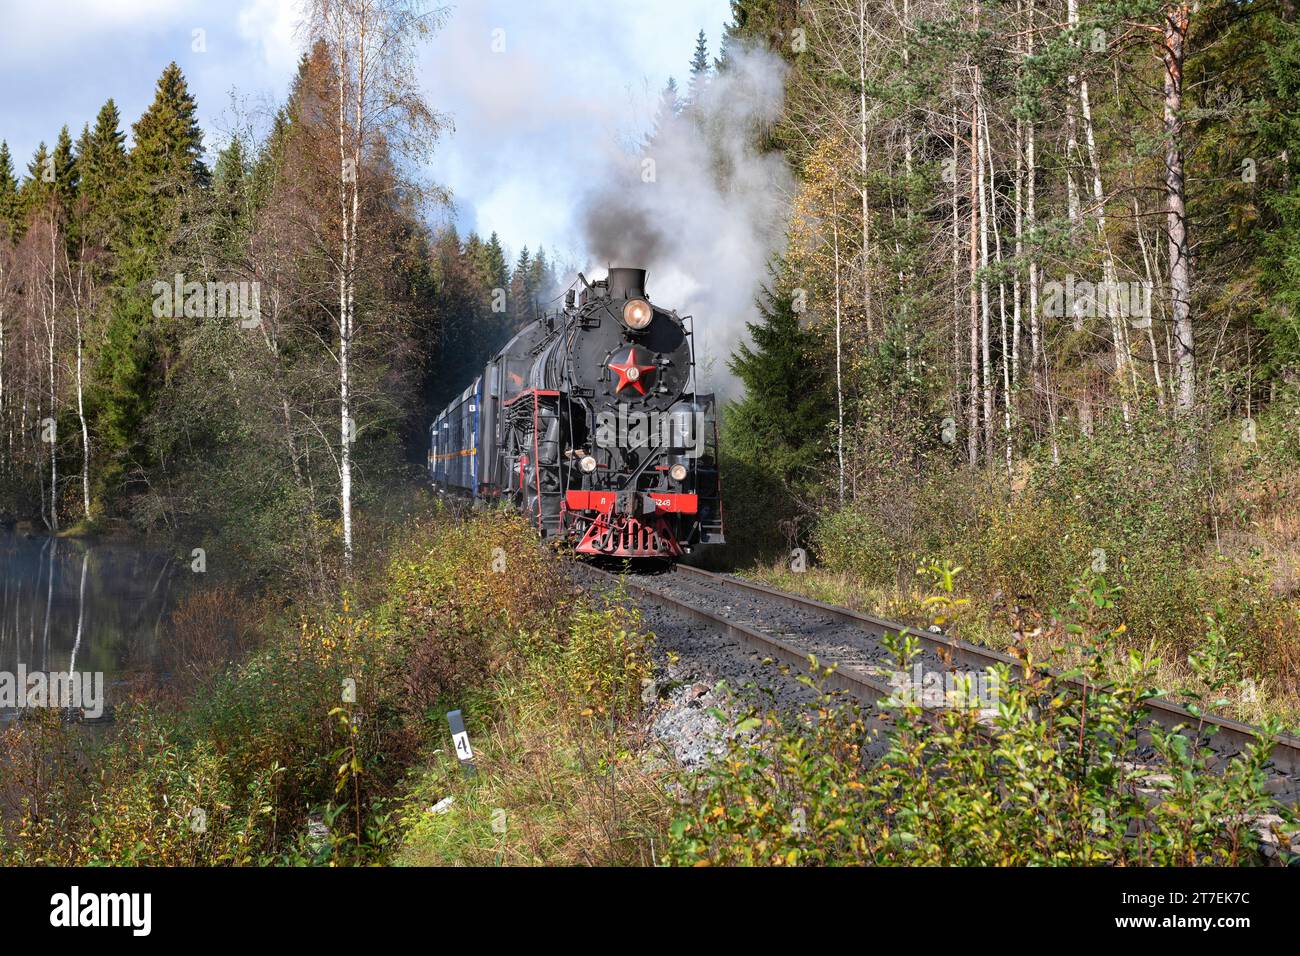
point(588, 422)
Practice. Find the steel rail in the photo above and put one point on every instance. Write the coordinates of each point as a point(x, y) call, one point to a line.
point(1226, 736)
point(845, 678)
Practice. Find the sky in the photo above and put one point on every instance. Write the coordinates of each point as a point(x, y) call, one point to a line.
point(540, 91)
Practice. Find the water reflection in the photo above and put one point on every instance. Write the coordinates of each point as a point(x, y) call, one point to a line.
point(71, 605)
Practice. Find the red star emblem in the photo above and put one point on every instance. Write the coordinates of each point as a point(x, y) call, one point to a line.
point(631, 372)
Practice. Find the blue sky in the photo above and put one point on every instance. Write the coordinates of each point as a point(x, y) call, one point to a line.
point(534, 124)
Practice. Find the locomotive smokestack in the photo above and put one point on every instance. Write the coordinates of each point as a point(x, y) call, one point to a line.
point(626, 283)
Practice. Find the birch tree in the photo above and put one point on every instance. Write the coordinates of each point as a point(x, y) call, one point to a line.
point(1177, 22)
point(379, 106)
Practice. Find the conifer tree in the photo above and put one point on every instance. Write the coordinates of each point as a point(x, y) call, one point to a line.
point(38, 187)
point(670, 107)
point(521, 290)
point(768, 21)
point(9, 203)
point(231, 198)
point(164, 162)
point(102, 165)
point(65, 170)
point(541, 278)
point(499, 271)
point(1278, 128)
point(699, 69)
point(166, 159)
point(784, 418)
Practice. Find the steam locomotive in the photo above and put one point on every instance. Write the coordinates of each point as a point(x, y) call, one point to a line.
point(588, 422)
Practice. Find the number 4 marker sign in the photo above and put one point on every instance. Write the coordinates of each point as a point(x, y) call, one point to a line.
point(460, 741)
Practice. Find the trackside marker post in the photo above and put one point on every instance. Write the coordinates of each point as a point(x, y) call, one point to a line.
point(460, 741)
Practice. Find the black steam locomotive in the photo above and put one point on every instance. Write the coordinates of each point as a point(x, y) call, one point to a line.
point(588, 423)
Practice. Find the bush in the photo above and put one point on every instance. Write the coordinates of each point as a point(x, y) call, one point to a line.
point(318, 725)
point(1055, 779)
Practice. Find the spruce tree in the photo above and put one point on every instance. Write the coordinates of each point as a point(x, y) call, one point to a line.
point(102, 164)
point(670, 107)
point(767, 21)
point(164, 163)
point(499, 271)
point(699, 69)
point(10, 209)
point(783, 420)
point(38, 188)
point(65, 171)
point(521, 290)
point(231, 198)
point(266, 168)
point(1278, 129)
point(475, 255)
point(541, 278)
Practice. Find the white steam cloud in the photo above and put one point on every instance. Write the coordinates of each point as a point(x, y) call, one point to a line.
point(702, 208)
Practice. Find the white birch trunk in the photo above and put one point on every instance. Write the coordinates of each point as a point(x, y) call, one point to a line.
point(1177, 20)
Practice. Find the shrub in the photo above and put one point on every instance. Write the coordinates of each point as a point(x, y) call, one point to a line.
point(1055, 779)
point(318, 725)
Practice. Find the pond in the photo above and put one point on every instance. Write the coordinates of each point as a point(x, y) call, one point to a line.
point(79, 607)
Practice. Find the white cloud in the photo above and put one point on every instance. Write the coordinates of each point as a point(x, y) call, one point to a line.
point(272, 25)
point(33, 31)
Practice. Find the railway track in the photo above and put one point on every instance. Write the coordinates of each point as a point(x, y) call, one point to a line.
point(789, 628)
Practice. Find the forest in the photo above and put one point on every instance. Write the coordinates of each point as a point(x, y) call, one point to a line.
point(1033, 310)
point(1036, 316)
point(174, 359)
point(1021, 366)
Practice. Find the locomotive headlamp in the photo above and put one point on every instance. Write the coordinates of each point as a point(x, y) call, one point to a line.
point(677, 472)
point(587, 464)
point(637, 314)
